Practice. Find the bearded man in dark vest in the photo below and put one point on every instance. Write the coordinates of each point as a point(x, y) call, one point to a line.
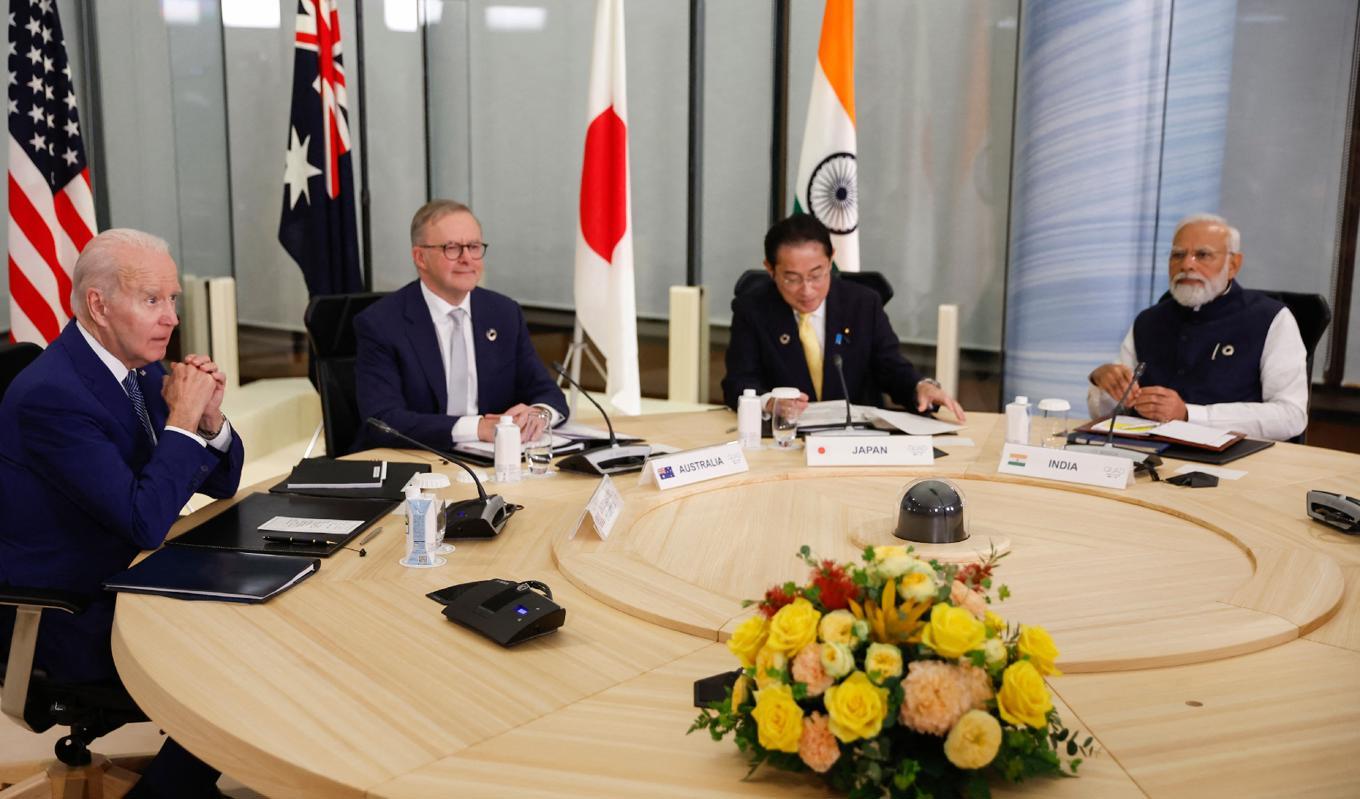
point(1217, 354)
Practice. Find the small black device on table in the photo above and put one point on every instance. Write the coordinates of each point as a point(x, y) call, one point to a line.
point(1337, 510)
point(506, 611)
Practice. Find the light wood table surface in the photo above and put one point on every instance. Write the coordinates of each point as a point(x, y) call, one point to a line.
point(1210, 637)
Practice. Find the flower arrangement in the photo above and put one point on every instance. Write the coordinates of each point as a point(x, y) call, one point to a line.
point(894, 678)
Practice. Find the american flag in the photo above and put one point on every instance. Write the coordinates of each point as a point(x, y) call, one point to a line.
point(317, 226)
point(51, 209)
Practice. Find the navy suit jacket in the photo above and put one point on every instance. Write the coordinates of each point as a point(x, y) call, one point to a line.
point(765, 351)
point(400, 374)
point(82, 491)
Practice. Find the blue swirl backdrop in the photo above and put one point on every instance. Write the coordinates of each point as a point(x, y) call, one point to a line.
point(1120, 124)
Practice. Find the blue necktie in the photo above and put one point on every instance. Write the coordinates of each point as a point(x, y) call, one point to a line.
point(134, 392)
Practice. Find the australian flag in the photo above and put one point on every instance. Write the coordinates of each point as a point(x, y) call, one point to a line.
point(318, 225)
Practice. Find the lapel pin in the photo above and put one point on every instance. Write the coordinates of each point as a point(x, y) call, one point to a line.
point(491, 334)
point(783, 338)
point(1228, 350)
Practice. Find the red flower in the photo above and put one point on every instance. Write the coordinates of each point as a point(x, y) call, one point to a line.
point(973, 574)
point(835, 586)
point(775, 598)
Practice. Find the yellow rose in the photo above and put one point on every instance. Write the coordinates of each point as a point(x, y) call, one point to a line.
point(748, 639)
point(994, 622)
point(1036, 645)
point(1024, 699)
point(837, 627)
point(837, 660)
point(883, 553)
point(974, 741)
point(794, 626)
point(917, 586)
point(857, 708)
point(953, 631)
point(995, 652)
point(779, 719)
point(740, 689)
point(767, 660)
point(883, 660)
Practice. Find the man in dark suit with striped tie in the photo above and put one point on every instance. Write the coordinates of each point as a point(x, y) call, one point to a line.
point(100, 448)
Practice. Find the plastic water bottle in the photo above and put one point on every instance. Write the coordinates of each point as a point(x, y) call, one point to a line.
point(1017, 421)
point(508, 453)
point(748, 419)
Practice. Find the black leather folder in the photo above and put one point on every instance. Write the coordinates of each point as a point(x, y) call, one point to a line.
point(318, 471)
point(213, 574)
point(237, 527)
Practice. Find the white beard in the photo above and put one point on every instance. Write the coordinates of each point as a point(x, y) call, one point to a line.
point(1193, 293)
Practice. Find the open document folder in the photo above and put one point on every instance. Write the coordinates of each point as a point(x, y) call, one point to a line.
point(830, 413)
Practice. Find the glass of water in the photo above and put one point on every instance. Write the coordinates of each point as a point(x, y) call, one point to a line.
point(784, 416)
point(538, 452)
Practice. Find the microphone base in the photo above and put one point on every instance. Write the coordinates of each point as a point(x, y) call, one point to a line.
point(619, 459)
point(477, 518)
point(1105, 449)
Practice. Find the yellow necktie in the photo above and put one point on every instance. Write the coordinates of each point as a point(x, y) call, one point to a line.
point(812, 351)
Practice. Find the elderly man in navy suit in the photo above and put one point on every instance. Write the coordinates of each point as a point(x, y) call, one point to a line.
point(100, 447)
point(441, 359)
point(786, 333)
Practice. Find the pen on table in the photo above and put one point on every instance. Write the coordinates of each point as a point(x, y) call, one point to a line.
point(288, 539)
point(363, 552)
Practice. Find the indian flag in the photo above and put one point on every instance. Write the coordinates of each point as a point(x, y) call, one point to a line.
point(827, 185)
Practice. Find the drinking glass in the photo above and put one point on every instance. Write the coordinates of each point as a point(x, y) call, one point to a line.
point(1051, 423)
point(784, 418)
point(538, 452)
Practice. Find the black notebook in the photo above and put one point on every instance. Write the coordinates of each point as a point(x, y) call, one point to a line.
point(191, 573)
point(328, 477)
point(238, 527)
point(1241, 449)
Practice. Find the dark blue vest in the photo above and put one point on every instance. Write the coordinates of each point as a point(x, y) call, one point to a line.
point(1211, 355)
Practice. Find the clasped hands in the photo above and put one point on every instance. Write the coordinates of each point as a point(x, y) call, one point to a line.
point(1158, 403)
point(193, 391)
point(529, 418)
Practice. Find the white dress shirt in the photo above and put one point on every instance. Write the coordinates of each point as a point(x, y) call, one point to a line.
point(1281, 415)
point(221, 442)
point(465, 429)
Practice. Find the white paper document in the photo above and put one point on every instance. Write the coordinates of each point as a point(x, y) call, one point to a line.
point(1193, 434)
point(576, 431)
point(828, 412)
point(294, 524)
point(912, 424)
point(560, 444)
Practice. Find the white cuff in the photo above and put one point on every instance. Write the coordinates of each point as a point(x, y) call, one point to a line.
point(1197, 414)
point(195, 436)
point(465, 429)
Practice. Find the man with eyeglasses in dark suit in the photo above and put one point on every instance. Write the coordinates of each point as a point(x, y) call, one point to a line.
point(786, 332)
point(442, 359)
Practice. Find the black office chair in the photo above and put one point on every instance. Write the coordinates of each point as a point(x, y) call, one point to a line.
point(330, 330)
point(36, 701)
point(1312, 313)
point(754, 278)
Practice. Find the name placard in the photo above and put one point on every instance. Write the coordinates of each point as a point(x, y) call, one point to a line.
point(603, 509)
point(695, 465)
point(869, 450)
point(1106, 471)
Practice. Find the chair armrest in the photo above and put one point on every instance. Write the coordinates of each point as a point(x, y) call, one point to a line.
point(45, 598)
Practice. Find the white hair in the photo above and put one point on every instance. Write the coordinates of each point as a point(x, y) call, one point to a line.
point(104, 258)
point(1234, 237)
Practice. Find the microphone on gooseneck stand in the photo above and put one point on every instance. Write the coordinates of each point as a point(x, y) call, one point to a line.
point(849, 428)
point(483, 517)
point(1108, 448)
point(613, 458)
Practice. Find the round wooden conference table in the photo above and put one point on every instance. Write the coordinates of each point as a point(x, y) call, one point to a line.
point(1210, 637)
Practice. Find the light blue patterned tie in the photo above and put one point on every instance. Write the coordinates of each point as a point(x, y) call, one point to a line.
point(134, 392)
